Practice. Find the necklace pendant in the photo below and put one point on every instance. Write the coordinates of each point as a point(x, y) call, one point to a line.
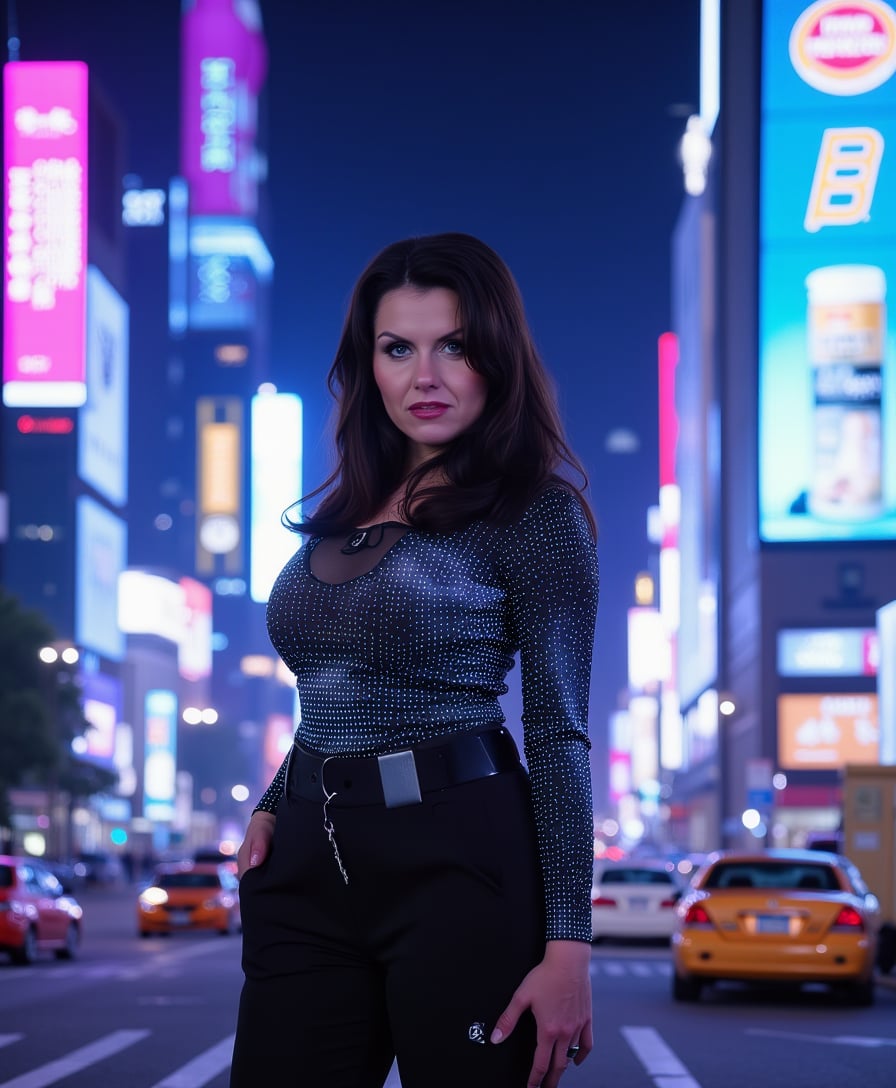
point(356, 541)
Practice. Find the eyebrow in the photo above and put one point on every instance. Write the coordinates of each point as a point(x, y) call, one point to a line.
point(395, 336)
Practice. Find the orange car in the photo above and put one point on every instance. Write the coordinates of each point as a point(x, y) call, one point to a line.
point(190, 895)
point(795, 916)
point(35, 913)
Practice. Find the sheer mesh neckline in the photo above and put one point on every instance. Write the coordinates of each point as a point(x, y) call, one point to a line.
point(338, 559)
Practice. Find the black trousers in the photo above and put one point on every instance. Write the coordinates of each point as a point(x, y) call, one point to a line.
point(415, 957)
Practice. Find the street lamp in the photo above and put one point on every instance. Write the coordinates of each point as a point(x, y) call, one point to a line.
point(694, 152)
point(727, 706)
point(69, 655)
point(56, 655)
point(194, 715)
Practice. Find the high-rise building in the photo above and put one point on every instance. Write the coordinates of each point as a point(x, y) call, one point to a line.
point(786, 394)
point(136, 358)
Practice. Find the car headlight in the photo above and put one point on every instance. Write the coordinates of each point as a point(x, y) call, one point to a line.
point(153, 897)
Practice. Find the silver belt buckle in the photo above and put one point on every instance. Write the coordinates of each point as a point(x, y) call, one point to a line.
point(398, 775)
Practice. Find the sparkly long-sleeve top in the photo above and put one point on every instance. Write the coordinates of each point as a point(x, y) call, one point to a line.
point(420, 645)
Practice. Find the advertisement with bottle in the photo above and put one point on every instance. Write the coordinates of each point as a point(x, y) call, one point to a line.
point(827, 366)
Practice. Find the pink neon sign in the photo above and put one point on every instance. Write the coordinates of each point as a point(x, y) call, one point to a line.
point(223, 68)
point(194, 657)
point(45, 235)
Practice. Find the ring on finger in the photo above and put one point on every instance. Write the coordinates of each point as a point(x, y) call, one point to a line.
point(572, 1051)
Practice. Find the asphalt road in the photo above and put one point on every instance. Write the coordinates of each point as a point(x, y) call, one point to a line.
point(159, 1013)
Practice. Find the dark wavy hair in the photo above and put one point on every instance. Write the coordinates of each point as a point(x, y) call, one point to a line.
point(501, 462)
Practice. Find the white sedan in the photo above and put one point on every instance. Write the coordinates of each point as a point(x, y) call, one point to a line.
point(634, 899)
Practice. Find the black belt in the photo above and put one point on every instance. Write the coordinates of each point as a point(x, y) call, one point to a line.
point(402, 777)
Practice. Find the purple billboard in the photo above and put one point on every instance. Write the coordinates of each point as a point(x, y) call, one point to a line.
point(223, 68)
point(45, 233)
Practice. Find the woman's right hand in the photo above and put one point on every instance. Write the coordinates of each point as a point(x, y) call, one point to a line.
point(256, 846)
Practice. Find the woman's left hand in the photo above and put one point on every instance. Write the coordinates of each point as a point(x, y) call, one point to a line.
point(558, 991)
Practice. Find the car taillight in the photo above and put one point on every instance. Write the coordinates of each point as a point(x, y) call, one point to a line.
point(849, 918)
point(696, 916)
point(603, 901)
point(668, 903)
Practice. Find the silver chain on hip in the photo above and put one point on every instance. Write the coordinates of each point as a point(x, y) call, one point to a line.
point(328, 823)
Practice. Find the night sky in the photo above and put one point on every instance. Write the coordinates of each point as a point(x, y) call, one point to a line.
point(547, 129)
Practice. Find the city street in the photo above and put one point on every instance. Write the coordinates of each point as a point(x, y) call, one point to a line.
point(159, 1013)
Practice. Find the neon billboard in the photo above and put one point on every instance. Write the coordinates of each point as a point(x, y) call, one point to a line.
point(103, 418)
point(102, 541)
point(194, 658)
point(821, 731)
point(228, 259)
point(276, 483)
point(828, 651)
point(45, 235)
point(223, 68)
point(827, 368)
point(102, 707)
point(159, 754)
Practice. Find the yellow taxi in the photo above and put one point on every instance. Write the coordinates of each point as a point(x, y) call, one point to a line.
point(780, 915)
point(190, 895)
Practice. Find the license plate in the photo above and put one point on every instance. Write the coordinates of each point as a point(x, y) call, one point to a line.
point(772, 923)
point(179, 917)
point(638, 902)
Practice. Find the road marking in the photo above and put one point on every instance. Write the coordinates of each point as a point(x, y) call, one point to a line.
point(5, 1040)
point(79, 1059)
point(93, 970)
point(638, 968)
point(165, 964)
point(162, 961)
point(867, 1041)
point(202, 1069)
point(163, 1000)
point(656, 1057)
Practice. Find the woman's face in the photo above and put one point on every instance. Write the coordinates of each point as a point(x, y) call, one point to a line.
point(420, 368)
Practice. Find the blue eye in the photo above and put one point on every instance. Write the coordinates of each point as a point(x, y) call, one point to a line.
point(398, 351)
point(453, 347)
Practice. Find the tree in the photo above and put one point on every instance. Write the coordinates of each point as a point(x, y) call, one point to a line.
point(39, 715)
point(28, 742)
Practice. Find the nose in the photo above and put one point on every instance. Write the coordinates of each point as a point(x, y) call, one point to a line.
point(426, 375)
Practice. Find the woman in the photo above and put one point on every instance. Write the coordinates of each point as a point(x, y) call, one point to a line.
point(409, 890)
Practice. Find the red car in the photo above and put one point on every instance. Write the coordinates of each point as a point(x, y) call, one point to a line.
point(35, 913)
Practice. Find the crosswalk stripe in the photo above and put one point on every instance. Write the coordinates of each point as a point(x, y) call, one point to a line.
point(203, 1068)
point(639, 968)
point(660, 1061)
point(73, 970)
point(77, 1060)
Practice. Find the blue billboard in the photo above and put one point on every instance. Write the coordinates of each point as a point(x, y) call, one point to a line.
point(101, 557)
point(103, 418)
point(159, 754)
point(827, 366)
